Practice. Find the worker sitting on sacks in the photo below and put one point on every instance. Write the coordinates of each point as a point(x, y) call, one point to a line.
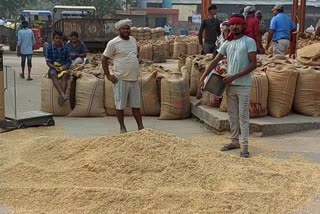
point(59, 61)
point(78, 50)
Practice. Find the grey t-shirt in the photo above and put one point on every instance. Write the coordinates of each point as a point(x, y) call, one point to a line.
point(80, 48)
point(236, 52)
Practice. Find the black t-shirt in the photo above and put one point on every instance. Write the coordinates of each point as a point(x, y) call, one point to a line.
point(212, 29)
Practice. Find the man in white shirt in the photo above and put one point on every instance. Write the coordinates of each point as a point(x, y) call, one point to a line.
point(124, 51)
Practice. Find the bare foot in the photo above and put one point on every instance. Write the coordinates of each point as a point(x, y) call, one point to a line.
point(140, 128)
point(29, 78)
point(22, 76)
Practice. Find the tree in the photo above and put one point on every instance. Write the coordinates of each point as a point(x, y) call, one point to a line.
point(12, 7)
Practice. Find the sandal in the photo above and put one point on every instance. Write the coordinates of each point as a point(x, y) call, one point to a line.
point(244, 154)
point(29, 78)
point(230, 146)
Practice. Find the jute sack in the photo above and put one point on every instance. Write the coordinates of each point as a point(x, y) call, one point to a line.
point(175, 98)
point(181, 60)
point(158, 54)
point(146, 52)
point(166, 47)
point(282, 78)
point(49, 99)
point(309, 55)
point(89, 97)
point(185, 74)
point(307, 96)
point(188, 64)
point(194, 79)
point(150, 101)
point(178, 48)
point(109, 100)
point(224, 105)
point(258, 95)
point(192, 48)
point(201, 67)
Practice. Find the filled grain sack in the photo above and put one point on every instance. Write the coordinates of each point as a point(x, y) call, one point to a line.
point(209, 99)
point(166, 47)
point(224, 105)
point(89, 97)
point(192, 48)
point(258, 95)
point(158, 54)
point(282, 79)
point(175, 98)
point(258, 106)
point(181, 60)
point(146, 52)
point(309, 55)
point(109, 100)
point(188, 64)
point(178, 48)
point(185, 74)
point(150, 101)
point(49, 99)
point(307, 95)
point(202, 68)
point(197, 66)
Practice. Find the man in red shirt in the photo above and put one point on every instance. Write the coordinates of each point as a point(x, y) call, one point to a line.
point(253, 26)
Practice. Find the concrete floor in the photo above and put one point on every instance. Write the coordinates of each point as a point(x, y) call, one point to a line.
point(28, 93)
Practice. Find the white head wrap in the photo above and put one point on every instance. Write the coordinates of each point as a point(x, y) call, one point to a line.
point(122, 23)
point(247, 10)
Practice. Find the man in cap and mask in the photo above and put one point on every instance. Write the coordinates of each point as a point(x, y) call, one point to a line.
point(253, 27)
point(281, 27)
point(241, 53)
point(123, 49)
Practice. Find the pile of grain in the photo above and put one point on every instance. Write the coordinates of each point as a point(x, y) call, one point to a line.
point(144, 172)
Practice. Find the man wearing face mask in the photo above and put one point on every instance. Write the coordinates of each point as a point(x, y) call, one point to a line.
point(124, 51)
point(211, 27)
point(241, 52)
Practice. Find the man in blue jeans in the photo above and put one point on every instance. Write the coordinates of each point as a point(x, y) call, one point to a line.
point(241, 52)
point(25, 43)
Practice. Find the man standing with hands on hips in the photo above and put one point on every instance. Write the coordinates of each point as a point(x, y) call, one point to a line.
point(124, 51)
point(241, 52)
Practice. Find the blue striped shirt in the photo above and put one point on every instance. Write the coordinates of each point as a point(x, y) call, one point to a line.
point(62, 55)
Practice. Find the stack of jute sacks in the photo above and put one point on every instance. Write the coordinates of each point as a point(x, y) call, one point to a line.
point(279, 85)
point(164, 93)
point(146, 33)
point(85, 90)
point(158, 50)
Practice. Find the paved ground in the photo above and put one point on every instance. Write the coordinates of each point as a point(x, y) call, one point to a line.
point(28, 93)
